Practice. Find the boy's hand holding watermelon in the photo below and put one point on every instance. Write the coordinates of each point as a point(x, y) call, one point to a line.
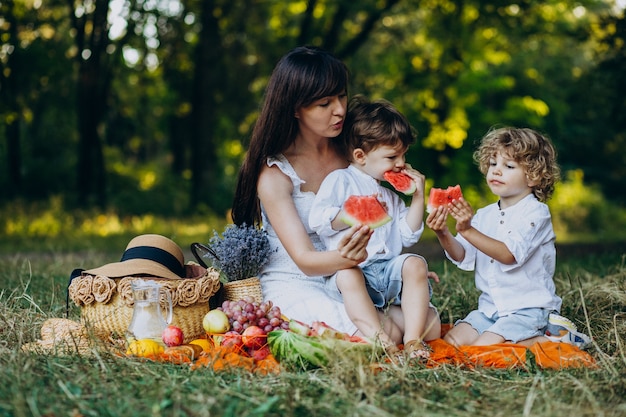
point(439, 197)
point(439, 205)
point(409, 181)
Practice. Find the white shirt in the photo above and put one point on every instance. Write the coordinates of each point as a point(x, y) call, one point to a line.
point(388, 240)
point(526, 230)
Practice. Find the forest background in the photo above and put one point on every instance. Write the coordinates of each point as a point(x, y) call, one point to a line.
point(128, 116)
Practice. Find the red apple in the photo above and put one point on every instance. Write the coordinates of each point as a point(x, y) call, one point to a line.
point(232, 339)
point(261, 353)
point(172, 336)
point(253, 337)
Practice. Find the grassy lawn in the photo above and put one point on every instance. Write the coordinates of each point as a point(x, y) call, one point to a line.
point(591, 281)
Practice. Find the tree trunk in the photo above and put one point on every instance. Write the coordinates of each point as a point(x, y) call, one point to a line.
point(206, 80)
point(92, 87)
point(90, 165)
point(11, 96)
point(14, 157)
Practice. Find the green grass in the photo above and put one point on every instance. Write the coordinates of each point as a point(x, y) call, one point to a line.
point(32, 289)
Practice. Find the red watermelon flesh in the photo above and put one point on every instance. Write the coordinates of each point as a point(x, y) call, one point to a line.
point(440, 197)
point(401, 182)
point(366, 210)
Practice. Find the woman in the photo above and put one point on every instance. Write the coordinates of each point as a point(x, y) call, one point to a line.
point(292, 149)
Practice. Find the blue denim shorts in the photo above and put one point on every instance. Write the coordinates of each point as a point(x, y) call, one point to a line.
point(383, 280)
point(521, 325)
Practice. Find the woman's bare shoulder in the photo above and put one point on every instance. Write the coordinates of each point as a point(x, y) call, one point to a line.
point(273, 180)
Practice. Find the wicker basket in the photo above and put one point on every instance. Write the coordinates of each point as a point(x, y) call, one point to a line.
point(107, 304)
point(238, 290)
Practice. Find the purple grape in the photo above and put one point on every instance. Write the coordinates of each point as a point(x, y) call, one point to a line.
point(275, 321)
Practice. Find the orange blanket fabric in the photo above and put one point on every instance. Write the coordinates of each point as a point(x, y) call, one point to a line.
point(548, 355)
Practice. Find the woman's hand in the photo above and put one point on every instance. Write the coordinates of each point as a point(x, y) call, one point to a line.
point(353, 245)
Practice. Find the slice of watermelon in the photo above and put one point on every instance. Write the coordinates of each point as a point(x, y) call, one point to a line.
point(366, 210)
point(323, 330)
point(440, 197)
point(299, 327)
point(401, 182)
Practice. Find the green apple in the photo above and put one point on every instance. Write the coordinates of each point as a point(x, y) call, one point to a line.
point(215, 322)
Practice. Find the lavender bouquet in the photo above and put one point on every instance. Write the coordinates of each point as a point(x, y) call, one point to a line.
point(240, 252)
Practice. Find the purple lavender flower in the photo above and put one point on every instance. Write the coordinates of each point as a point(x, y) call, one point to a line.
point(240, 252)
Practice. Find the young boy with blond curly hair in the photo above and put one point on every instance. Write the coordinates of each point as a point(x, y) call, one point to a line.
point(508, 244)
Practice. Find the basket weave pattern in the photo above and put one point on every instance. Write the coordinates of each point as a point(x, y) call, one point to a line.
point(107, 303)
point(239, 290)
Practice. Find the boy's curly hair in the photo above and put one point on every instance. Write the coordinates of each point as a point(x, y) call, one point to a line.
point(529, 148)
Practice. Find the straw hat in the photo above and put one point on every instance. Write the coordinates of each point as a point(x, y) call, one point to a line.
point(151, 255)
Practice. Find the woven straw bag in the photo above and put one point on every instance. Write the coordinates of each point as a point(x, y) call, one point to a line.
point(239, 290)
point(231, 290)
point(107, 303)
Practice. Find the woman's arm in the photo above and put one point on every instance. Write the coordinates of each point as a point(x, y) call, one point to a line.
point(274, 190)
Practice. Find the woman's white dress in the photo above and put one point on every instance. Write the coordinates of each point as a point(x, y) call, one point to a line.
point(299, 296)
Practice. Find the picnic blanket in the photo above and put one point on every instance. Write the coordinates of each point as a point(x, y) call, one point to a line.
point(547, 355)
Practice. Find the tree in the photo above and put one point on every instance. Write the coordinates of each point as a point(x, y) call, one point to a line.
point(156, 116)
point(11, 81)
point(595, 137)
point(89, 20)
point(226, 43)
point(34, 94)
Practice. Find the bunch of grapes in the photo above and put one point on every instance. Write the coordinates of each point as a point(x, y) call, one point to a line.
point(247, 312)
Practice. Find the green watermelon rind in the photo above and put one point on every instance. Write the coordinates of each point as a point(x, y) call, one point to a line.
point(351, 220)
point(394, 178)
point(299, 327)
point(299, 352)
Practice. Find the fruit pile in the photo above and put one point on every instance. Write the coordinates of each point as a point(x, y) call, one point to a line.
point(246, 312)
point(243, 325)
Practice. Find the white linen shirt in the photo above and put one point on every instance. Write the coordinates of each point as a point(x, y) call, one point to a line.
point(526, 230)
point(388, 240)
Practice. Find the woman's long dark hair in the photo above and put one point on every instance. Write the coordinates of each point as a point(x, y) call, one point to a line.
point(304, 75)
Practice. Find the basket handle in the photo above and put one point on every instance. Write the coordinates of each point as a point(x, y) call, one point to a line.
point(201, 251)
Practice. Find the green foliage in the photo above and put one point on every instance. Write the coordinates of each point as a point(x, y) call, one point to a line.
point(581, 211)
point(42, 227)
point(455, 69)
